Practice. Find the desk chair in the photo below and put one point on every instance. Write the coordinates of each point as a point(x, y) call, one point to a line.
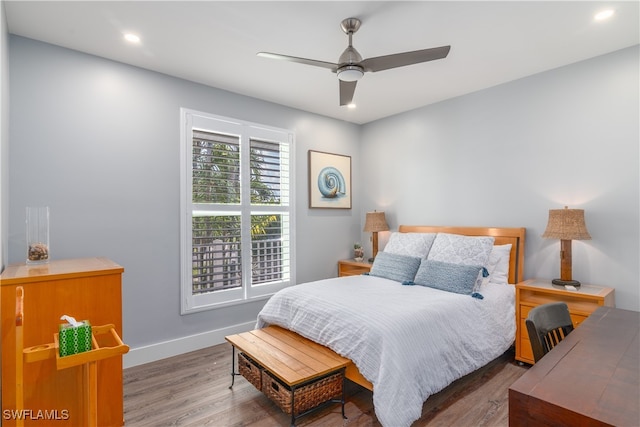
point(547, 325)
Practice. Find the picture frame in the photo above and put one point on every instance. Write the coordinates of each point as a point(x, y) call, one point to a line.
point(329, 180)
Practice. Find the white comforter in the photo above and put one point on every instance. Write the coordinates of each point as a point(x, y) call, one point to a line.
point(408, 341)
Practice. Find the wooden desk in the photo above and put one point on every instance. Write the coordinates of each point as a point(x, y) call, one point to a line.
point(591, 378)
point(86, 288)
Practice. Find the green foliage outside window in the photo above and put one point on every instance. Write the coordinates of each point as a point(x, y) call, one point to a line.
point(216, 180)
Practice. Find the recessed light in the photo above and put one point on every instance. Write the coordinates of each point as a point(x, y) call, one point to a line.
point(605, 14)
point(351, 106)
point(132, 38)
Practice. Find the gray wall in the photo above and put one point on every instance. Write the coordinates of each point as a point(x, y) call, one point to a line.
point(4, 136)
point(98, 142)
point(506, 155)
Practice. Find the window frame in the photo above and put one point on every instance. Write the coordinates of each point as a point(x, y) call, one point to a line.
point(191, 120)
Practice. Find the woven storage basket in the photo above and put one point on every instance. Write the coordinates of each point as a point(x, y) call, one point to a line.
point(250, 370)
point(306, 397)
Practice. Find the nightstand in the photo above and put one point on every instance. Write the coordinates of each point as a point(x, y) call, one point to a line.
point(534, 292)
point(349, 267)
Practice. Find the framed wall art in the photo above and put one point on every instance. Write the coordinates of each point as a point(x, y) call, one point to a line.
point(329, 180)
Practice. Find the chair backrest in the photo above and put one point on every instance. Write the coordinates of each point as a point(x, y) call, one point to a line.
point(547, 325)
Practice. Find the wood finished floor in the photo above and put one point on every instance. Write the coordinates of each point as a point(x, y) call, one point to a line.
point(193, 390)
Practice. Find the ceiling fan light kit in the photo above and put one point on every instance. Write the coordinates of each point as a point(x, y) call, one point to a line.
point(351, 67)
point(350, 73)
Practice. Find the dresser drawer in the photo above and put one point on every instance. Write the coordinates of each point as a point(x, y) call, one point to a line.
point(352, 268)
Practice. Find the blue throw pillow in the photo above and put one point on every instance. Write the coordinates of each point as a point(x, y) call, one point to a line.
point(445, 276)
point(396, 267)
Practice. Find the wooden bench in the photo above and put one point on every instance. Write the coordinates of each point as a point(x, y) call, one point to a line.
point(298, 374)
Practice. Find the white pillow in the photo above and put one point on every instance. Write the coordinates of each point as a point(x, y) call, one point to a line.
point(458, 249)
point(463, 250)
point(410, 244)
point(498, 265)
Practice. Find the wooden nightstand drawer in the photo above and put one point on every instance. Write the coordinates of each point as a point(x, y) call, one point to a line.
point(524, 313)
point(347, 267)
point(532, 293)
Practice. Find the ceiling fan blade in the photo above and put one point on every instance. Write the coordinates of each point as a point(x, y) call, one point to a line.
point(347, 89)
point(323, 64)
point(387, 62)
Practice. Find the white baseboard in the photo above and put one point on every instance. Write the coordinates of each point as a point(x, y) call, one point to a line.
point(151, 353)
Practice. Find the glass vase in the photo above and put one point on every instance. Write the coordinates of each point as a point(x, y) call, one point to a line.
point(38, 235)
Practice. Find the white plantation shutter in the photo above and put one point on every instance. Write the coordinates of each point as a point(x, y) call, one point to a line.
point(237, 211)
point(216, 168)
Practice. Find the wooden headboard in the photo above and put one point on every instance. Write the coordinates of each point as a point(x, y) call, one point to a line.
point(502, 236)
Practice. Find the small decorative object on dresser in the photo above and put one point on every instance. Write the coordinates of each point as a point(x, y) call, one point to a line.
point(349, 267)
point(37, 235)
point(358, 252)
point(532, 293)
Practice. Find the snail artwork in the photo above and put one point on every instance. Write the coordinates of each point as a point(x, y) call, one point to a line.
point(331, 183)
point(329, 180)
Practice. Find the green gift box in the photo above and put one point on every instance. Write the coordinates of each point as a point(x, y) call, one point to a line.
point(74, 339)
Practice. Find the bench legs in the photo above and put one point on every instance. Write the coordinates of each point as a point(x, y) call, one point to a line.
point(233, 367)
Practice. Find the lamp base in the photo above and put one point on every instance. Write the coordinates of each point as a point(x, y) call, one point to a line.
point(561, 282)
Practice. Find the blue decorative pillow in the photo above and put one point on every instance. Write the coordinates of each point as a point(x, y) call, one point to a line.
point(445, 276)
point(395, 267)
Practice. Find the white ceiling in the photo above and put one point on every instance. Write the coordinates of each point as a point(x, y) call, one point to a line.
point(215, 43)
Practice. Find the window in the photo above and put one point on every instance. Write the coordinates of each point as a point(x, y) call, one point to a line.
point(237, 216)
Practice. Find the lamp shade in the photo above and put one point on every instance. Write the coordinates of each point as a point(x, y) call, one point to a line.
point(566, 224)
point(375, 221)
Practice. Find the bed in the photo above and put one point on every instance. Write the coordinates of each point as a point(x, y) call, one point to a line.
point(411, 331)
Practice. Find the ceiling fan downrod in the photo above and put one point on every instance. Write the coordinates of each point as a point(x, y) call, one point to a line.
point(349, 71)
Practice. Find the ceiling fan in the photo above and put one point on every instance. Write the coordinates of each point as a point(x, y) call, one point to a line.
point(351, 67)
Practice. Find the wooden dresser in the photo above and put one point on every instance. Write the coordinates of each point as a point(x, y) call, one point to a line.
point(87, 289)
point(532, 293)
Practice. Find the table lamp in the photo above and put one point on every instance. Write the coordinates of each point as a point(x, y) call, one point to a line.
point(375, 221)
point(567, 225)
